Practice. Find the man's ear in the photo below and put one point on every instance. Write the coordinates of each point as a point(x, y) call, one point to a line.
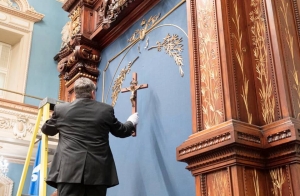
point(93, 95)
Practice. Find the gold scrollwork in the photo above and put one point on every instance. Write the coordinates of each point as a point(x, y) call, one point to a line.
point(260, 53)
point(173, 47)
point(141, 33)
point(239, 53)
point(116, 89)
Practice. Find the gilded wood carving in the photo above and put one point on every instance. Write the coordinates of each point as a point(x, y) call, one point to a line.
point(146, 24)
point(278, 178)
point(75, 17)
point(260, 52)
point(290, 54)
point(240, 51)
point(219, 183)
point(211, 86)
point(173, 47)
point(116, 89)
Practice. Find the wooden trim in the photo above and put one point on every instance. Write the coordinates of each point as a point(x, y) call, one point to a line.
point(194, 66)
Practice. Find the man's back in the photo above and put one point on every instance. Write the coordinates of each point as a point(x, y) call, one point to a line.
point(83, 152)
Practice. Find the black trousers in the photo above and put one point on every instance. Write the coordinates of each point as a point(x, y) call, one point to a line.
point(68, 189)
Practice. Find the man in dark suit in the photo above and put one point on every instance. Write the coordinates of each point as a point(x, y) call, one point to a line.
point(83, 164)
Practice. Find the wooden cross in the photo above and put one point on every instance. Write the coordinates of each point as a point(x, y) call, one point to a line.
point(133, 97)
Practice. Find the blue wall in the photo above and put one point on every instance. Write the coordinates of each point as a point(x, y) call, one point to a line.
point(147, 164)
point(15, 172)
point(42, 78)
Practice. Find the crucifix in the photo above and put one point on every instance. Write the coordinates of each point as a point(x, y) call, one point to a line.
point(133, 97)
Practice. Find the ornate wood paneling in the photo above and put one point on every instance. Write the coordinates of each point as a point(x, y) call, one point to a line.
point(244, 66)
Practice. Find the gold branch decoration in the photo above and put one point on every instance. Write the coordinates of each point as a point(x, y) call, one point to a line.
point(290, 42)
point(140, 33)
point(278, 179)
point(260, 53)
point(173, 47)
point(255, 182)
point(239, 53)
point(116, 89)
point(219, 185)
point(210, 78)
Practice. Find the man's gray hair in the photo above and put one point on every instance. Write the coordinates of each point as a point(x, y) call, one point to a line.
point(83, 88)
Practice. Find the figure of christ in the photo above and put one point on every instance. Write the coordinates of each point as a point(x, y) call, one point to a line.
point(133, 96)
point(133, 88)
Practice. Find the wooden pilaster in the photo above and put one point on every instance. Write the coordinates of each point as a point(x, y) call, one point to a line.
point(245, 89)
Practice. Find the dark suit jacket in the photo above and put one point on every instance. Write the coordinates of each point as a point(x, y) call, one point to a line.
point(83, 153)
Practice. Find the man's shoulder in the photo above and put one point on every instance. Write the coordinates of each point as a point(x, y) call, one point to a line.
point(61, 105)
point(104, 105)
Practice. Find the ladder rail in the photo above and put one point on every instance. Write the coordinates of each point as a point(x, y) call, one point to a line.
point(44, 155)
point(44, 111)
point(29, 153)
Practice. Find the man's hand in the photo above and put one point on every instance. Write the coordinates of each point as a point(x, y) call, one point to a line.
point(134, 118)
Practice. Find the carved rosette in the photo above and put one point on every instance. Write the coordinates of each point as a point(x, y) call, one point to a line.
point(109, 11)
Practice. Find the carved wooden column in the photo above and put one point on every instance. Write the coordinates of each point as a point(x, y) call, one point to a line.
point(245, 97)
point(79, 56)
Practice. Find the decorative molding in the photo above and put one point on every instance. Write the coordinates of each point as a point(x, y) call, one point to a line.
point(111, 10)
point(288, 178)
point(203, 184)
point(248, 137)
point(13, 26)
point(206, 143)
point(222, 155)
point(279, 136)
point(18, 106)
point(194, 67)
point(281, 152)
point(26, 11)
point(19, 123)
point(7, 185)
